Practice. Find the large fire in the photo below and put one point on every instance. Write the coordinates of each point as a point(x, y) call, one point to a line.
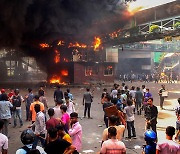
point(55, 79)
point(71, 45)
point(97, 43)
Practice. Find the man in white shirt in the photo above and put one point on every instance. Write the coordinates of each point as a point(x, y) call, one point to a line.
point(168, 146)
point(57, 110)
point(70, 105)
point(129, 111)
point(40, 126)
point(3, 140)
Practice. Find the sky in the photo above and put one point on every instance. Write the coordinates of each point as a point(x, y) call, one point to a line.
point(145, 4)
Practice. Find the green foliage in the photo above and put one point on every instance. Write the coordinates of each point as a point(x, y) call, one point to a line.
point(154, 28)
point(177, 24)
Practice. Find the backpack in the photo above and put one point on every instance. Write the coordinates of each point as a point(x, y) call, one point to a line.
point(30, 151)
point(16, 101)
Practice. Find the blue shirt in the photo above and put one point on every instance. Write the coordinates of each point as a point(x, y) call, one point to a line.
point(5, 112)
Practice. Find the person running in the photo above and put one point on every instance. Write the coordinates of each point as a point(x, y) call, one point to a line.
point(3, 140)
point(168, 146)
point(151, 113)
point(113, 145)
point(129, 111)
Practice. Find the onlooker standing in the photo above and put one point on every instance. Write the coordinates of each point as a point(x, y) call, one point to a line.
point(28, 100)
point(132, 93)
point(129, 111)
point(41, 91)
point(27, 138)
point(40, 126)
point(5, 112)
point(43, 100)
point(70, 105)
point(113, 123)
point(87, 100)
point(138, 100)
point(62, 134)
point(56, 145)
point(16, 101)
point(151, 113)
point(52, 122)
point(113, 145)
point(65, 119)
point(58, 94)
point(161, 96)
point(57, 110)
point(75, 131)
point(32, 110)
point(107, 103)
point(69, 94)
point(3, 140)
point(168, 146)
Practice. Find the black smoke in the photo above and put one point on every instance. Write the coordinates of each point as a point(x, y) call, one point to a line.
point(25, 22)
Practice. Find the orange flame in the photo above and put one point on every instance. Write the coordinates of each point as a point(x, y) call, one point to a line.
point(44, 45)
point(71, 45)
point(61, 43)
point(64, 72)
point(97, 43)
point(55, 79)
point(57, 56)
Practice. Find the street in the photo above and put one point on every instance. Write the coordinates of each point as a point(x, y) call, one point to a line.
point(93, 128)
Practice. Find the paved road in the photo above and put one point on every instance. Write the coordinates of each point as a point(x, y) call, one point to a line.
point(92, 130)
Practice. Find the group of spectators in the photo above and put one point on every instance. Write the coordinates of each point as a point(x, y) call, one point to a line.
point(128, 102)
point(59, 133)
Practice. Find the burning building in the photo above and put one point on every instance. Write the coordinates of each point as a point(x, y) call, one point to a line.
point(50, 32)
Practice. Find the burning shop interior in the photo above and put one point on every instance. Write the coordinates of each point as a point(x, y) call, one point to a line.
point(40, 40)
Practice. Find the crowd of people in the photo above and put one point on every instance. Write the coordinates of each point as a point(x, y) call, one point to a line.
point(61, 132)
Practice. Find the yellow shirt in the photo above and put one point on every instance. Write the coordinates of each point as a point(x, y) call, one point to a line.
point(67, 138)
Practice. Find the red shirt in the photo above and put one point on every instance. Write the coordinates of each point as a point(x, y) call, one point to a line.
point(51, 123)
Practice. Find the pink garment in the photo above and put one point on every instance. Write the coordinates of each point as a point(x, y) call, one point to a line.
point(168, 147)
point(76, 134)
point(65, 118)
